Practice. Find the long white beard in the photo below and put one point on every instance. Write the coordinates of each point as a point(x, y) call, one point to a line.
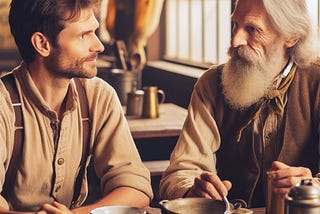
point(246, 77)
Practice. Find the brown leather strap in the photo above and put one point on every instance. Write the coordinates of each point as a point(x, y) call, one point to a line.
point(84, 107)
point(15, 159)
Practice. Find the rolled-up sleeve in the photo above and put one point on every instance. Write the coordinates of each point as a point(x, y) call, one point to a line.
point(116, 158)
point(195, 150)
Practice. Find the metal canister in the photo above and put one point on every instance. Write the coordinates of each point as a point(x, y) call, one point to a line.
point(274, 202)
point(135, 103)
point(303, 198)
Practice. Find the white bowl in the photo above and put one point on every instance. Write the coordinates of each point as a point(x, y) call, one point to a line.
point(118, 210)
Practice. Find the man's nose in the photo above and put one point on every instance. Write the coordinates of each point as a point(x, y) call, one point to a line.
point(97, 45)
point(239, 38)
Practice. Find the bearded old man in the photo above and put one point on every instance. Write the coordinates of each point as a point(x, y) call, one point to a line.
point(257, 112)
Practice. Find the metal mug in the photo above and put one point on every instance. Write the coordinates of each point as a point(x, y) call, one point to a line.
point(122, 81)
point(151, 101)
point(134, 103)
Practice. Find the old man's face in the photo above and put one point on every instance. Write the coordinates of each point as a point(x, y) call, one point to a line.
point(257, 55)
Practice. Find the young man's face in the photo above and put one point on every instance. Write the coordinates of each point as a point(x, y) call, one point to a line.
point(75, 54)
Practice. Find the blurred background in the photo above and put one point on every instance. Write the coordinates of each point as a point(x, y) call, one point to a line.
point(168, 41)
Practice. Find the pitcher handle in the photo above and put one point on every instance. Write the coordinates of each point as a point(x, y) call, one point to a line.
point(163, 96)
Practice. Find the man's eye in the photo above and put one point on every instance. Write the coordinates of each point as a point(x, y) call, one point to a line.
point(234, 26)
point(85, 35)
point(251, 29)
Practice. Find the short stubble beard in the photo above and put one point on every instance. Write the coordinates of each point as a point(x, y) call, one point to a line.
point(68, 68)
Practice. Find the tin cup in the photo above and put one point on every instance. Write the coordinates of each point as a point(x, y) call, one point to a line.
point(275, 203)
point(135, 103)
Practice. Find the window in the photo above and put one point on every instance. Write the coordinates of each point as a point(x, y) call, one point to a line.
point(313, 6)
point(199, 31)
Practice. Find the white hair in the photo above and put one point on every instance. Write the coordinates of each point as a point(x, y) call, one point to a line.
point(292, 20)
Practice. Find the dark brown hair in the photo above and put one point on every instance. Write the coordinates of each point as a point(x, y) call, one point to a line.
point(46, 16)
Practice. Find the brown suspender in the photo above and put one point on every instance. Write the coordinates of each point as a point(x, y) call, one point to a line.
point(84, 114)
point(86, 127)
point(15, 159)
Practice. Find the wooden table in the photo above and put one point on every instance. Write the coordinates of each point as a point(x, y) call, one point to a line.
point(156, 138)
point(168, 124)
point(151, 210)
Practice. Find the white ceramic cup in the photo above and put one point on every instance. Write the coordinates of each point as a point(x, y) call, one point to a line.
point(118, 210)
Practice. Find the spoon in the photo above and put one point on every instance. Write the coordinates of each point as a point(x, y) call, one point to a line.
point(227, 203)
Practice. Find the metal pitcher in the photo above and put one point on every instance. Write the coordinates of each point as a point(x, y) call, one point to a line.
point(303, 198)
point(122, 81)
point(151, 101)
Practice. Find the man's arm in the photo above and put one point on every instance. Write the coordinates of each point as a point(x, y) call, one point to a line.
point(195, 150)
point(120, 196)
point(5, 211)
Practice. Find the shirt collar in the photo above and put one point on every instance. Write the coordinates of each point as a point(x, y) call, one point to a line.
point(287, 69)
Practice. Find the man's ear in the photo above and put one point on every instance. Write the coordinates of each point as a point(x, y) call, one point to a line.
point(291, 42)
point(41, 44)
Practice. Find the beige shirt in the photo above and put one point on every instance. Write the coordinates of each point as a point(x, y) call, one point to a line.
point(49, 169)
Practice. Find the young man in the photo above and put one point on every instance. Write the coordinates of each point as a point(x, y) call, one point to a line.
point(57, 42)
point(257, 112)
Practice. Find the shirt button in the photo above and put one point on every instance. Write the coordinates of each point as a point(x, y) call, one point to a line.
point(60, 161)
